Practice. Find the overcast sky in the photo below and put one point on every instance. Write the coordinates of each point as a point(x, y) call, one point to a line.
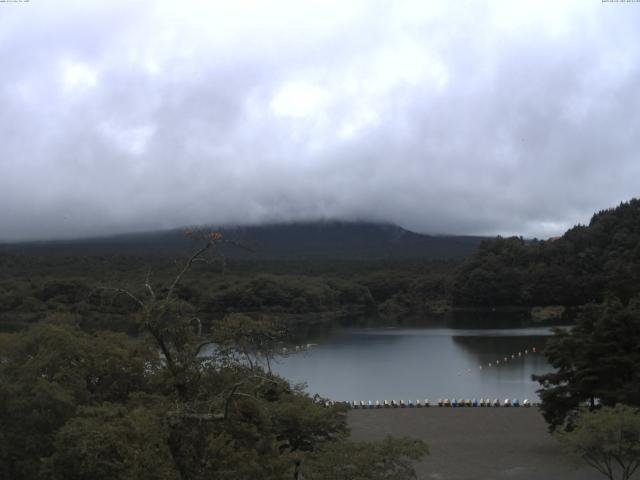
point(443, 117)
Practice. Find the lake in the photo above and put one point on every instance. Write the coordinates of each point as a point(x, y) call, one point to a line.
point(417, 363)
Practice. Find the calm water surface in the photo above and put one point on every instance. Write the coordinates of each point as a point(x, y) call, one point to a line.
point(411, 363)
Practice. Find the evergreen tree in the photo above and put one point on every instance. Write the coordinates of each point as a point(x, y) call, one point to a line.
point(596, 362)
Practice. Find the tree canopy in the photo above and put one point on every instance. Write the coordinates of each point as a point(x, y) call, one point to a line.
point(597, 361)
point(77, 404)
point(607, 439)
point(584, 265)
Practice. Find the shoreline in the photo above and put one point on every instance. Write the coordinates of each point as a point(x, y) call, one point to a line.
point(474, 443)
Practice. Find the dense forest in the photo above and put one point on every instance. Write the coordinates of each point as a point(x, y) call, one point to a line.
point(315, 271)
point(34, 287)
point(596, 362)
point(586, 264)
point(79, 400)
point(84, 393)
point(328, 240)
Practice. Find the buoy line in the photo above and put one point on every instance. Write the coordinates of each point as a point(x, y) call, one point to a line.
point(514, 356)
point(444, 403)
point(452, 403)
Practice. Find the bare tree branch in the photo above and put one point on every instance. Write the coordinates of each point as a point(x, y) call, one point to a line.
point(186, 268)
point(201, 345)
point(199, 323)
point(163, 346)
point(148, 285)
point(122, 291)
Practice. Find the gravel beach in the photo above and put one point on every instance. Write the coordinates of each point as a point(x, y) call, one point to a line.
point(474, 443)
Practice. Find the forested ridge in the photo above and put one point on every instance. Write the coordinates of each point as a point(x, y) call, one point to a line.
point(79, 400)
point(84, 393)
point(316, 270)
point(585, 265)
point(302, 241)
point(34, 287)
point(596, 269)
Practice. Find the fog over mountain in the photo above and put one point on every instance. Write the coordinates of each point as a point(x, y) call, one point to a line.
point(464, 117)
point(292, 241)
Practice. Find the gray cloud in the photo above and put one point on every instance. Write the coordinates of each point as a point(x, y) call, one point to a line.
point(478, 118)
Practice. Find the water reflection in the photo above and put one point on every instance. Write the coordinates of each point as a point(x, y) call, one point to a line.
point(411, 363)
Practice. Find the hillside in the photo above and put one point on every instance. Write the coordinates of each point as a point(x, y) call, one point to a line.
point(586, 264)
point(353, 240)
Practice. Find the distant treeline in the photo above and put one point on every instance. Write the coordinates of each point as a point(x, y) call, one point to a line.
point(33, 288)
point(586, 264)
point(306, 241)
